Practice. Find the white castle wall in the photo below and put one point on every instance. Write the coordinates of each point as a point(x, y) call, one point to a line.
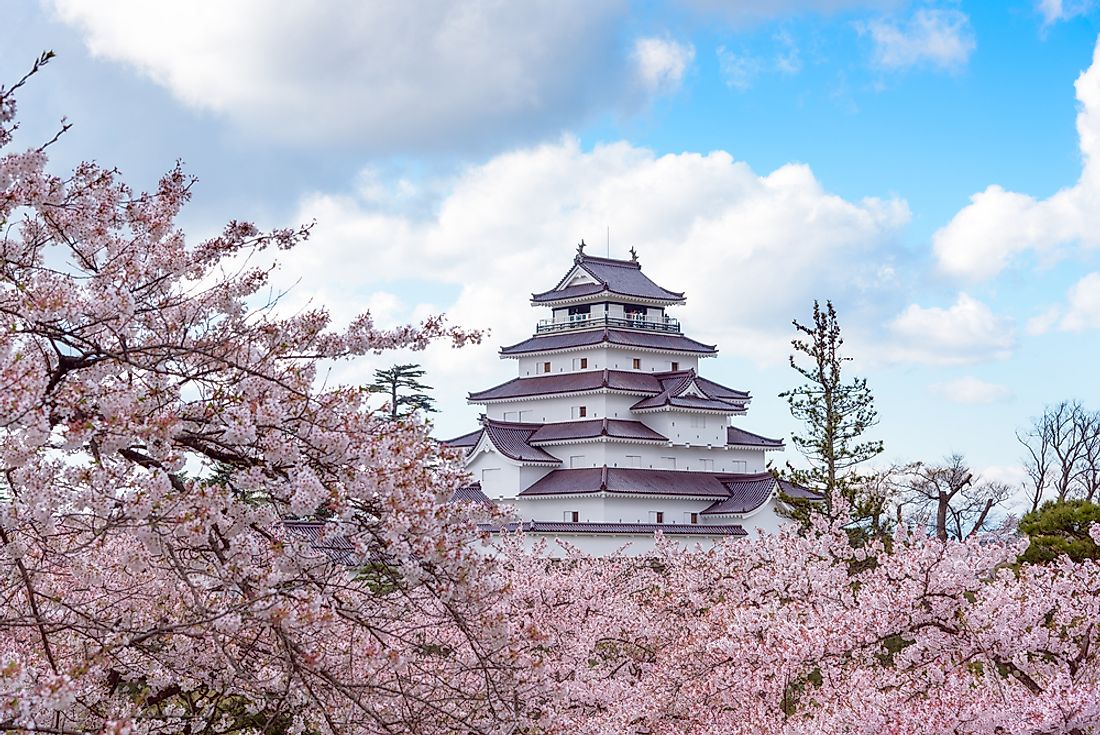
point(657, 456)
point(604, 358)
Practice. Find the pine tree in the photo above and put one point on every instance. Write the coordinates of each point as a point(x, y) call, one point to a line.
point(835, 413)
point(395, 381)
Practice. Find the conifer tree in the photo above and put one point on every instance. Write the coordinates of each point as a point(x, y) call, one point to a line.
point(836, 414)
point(395, 381)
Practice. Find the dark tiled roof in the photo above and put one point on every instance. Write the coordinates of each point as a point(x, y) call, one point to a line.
point(668, 529)
point(511, 440)
point(622, 338)
point(570, 383)
point(623, 277)
point(469, 494)
point(323, 537)
point(467, 441)
point(628, 480)
point(797, 491)
point(680, 389)
point(743, 438)
point(746, 493)
point(615, 428)
point(625, 380)
point(716, 390)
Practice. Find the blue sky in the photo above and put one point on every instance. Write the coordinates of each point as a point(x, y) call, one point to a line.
point(758, 156)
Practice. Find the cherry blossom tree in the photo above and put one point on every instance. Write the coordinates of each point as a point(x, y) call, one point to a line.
point(807, 634)
point(166, 444)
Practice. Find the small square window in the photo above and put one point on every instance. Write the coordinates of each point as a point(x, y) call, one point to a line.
point(572, 516)
point(675, 366)
point(545, 367)
point(694, 518)
point(636, 363)
point(584, 363)
point(582, 411)
point(660, 516)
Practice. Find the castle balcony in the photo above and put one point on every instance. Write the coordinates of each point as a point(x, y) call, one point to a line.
point(584, 321)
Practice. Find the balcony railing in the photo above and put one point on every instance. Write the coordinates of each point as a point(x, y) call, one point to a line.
point(576, 321)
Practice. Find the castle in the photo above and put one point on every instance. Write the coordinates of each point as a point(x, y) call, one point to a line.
point(609, 433)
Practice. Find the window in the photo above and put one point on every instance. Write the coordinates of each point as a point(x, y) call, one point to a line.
point(675, 366)
point(582, 411)
point(579, 313)
point(584, 363)
point(545, 367)
point(572, 516)
point(490, 481)
point(656, 516)
point(580, 363)
point(576, 461)
point(698, 421)
point(694, 519)
point(669, 462)
point(707, 465)
point(632, 311)
point(740, 466)
point(636, 363)
point(633, 460)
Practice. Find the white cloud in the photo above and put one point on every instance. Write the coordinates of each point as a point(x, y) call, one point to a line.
point(1058, 10)
point(739, 70)
point(966, 332)
point(971, 390)
point(1083, 311)
point(384, 76)
point(750, 250)
point(999, 226)
point(661, 63)
point(789, 58)
point(936, 37)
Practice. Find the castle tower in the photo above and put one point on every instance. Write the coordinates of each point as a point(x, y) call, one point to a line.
point(609, 433)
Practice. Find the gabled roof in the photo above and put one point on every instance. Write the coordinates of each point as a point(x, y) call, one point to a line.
point(622, 277)
point(633, 529)
point(511, 439)
point(746, 493)
point(622, 380)
point(684, 389)
point(742, 438)
point(466, 441)
point(471, 493)
point(617, 337)
point(612, 428)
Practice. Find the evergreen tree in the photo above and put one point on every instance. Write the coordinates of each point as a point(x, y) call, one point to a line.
point(1059, 528)
point(396, 381)
point(835, 413)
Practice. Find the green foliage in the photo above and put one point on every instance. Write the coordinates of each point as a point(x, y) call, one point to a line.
point(396, 382)
point(835, 414)
point(1059, 528)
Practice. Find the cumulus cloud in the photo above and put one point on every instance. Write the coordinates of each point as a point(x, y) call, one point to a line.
point(1083, 305)
point(750, 250)
point(966, 332)
point(384, 76)
point(971, 390)
point(661, 63)
point(938, 37)
point(999, 226)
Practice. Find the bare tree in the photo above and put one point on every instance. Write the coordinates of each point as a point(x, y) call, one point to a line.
point(949, 499)
point(1062, 453)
